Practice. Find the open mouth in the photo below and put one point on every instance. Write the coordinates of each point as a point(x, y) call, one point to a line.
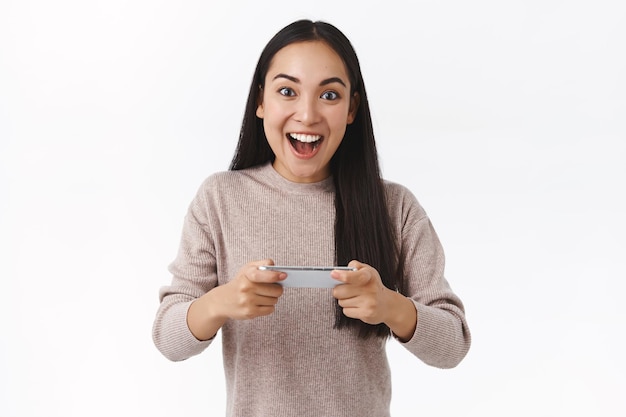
point(303, 144)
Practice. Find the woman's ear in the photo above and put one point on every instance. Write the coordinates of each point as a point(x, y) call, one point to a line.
point(259, 105)
point(355, 100)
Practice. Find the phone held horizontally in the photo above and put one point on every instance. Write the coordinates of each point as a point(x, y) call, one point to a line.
point(307, 276)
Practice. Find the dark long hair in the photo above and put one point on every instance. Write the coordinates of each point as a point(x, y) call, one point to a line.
point(363, 228)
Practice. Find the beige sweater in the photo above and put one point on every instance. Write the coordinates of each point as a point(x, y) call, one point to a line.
point(292, 362)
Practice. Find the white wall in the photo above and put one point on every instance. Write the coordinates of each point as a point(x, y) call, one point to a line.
point(506, 119)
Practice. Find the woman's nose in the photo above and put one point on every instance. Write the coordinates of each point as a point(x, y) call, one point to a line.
point(307, 111)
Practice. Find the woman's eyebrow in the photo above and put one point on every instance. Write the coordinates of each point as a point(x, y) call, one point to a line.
point(322, 83)
point(333, 80)
point(289, 77)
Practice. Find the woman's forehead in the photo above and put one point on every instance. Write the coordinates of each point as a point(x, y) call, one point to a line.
point(308, 60)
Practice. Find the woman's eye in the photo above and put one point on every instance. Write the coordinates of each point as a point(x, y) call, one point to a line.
point(330, 95)
point(286, 91)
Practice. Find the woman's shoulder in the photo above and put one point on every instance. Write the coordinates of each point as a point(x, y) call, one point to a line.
point(398, 192)
point(401, 200)
point(230, 179)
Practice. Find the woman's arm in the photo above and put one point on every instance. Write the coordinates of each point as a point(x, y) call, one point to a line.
point(363, 296)
point(252, 293)
point(428, 318)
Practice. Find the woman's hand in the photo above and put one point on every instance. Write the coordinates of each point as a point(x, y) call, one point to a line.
point(252, 293)
point(363, 296)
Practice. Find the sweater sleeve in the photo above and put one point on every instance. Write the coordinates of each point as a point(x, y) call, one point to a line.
point(442, 337)
point(193, 274)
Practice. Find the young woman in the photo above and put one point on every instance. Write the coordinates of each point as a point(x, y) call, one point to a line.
point(304, 188)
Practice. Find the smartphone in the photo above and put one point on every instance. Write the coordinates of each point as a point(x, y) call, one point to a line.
point(307, 276)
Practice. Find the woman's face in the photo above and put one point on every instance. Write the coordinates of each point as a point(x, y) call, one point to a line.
point(306, 106)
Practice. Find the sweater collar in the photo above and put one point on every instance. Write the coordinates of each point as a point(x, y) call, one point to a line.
point(268, 172)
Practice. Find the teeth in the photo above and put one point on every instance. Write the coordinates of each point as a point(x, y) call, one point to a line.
point(305, 138)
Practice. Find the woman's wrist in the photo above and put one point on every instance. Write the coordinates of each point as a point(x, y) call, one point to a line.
point(402, 316)
point(202, 318)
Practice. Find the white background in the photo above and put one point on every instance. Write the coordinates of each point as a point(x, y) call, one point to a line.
point(505, 118)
